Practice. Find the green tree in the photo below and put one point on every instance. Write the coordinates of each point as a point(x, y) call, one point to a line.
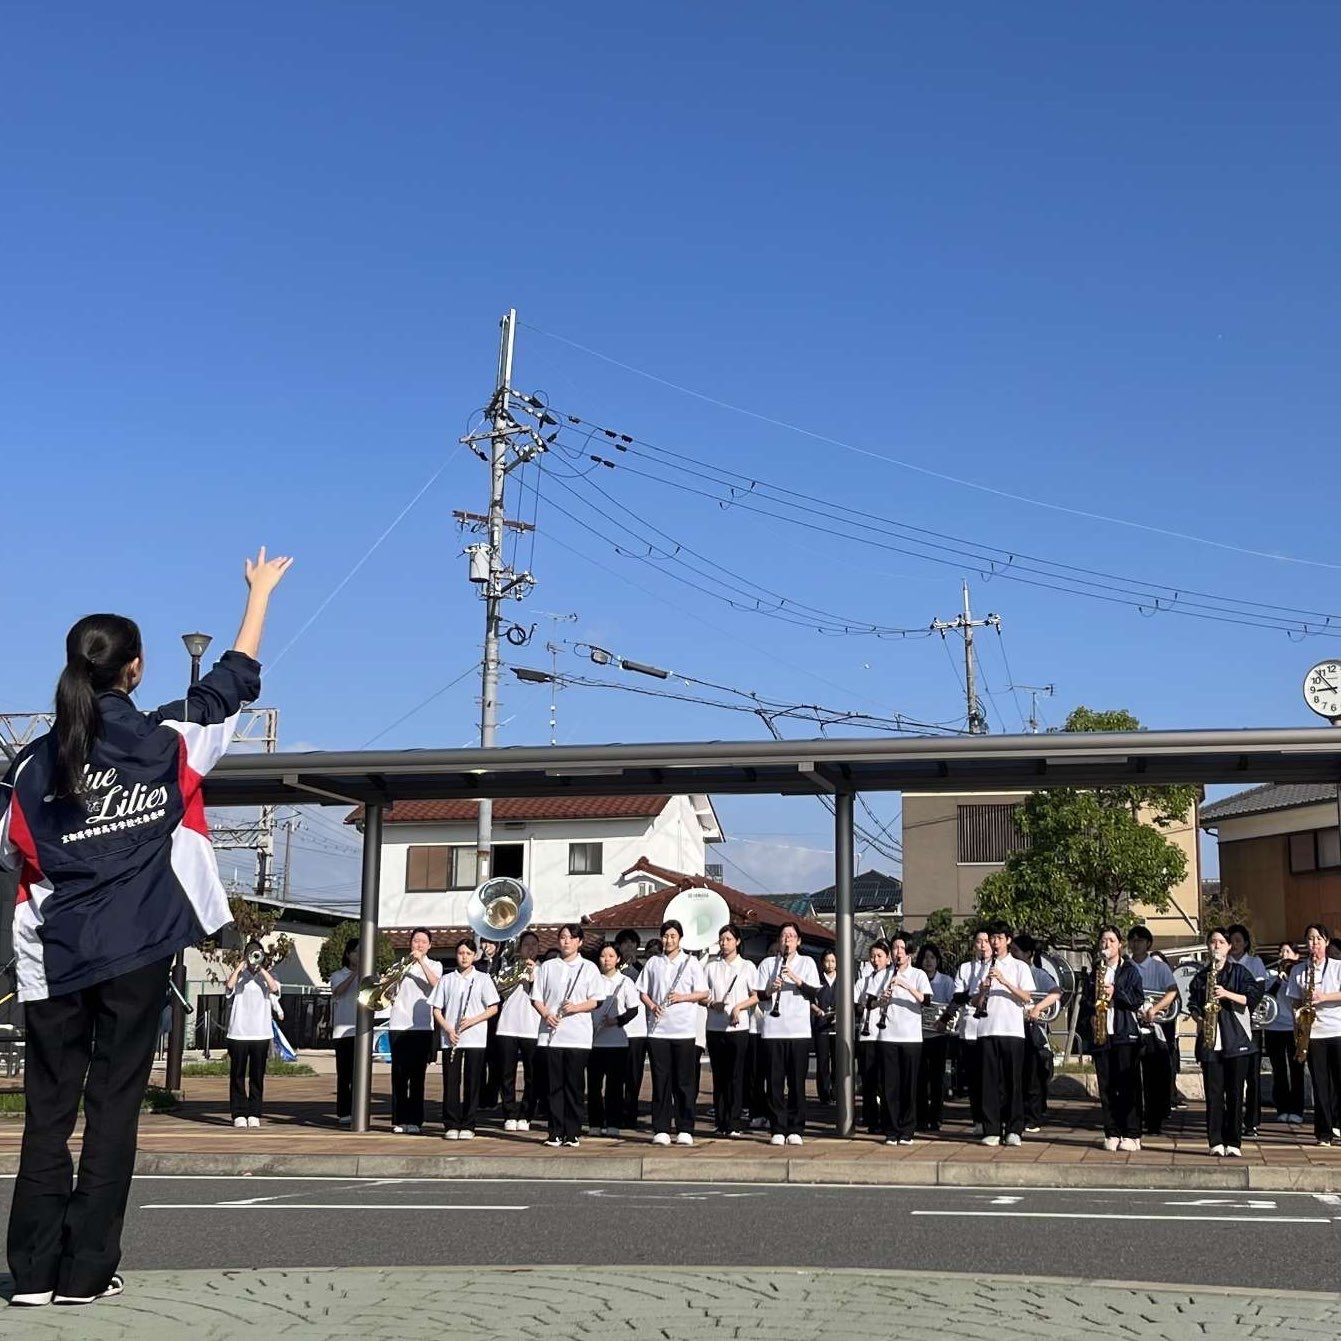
point(332, 952)
point(1091, 854)
point(951, 937)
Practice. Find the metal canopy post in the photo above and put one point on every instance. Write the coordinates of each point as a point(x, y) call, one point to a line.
point(363, 1028)
point(846, 1022)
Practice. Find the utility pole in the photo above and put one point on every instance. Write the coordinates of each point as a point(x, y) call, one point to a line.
point(965, 623)
point(509, 445)
point(1034, 690)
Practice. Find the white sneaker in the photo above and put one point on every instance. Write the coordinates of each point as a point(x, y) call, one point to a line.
point(991, 1140)
point(37, 1300)
point(684, 1138)
point(523, 1125)
point(907, 1140)
point(452, 1135)
point(661, 1138)
point(976, 1129)
point(777, 1139)
point(1233, 1152)
point(1218, 1150)
point(239, 1122)
point(115, 1287)
point(1295, 1119)
point(410, 1129)
point(554, 1142)
point(346, 1122)
point(467, 1135)
point(253, 1122)
point(510, 1124)
point(400, 1131)
point(794, 1138)
point(1129, 1143)
point(1110, 1143)
point(1033, 1131)
point(1013, 1138)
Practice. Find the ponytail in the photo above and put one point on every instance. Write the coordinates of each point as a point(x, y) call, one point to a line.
point(97, 651)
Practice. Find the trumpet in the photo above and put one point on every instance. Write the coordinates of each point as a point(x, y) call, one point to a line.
point(258, 959)
point(376, 993)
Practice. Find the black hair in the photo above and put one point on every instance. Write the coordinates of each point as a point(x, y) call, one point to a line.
point(1242, 931)
point(351, 944)
point(574, 929)
point(670, 924)
point(928, 947)
point(1024, 941)
point(628, 934)
point(654, 947)
point(794, 926)
point(426, 932)
point(551, 953)
point(998, 926)
point(1213, 931)
point(604, 946)
point(469, 943)
point(882, 944)
point(528, 935)
point(1324, 931)
point(733, 929)
point(1141, 932)
point(97, 651)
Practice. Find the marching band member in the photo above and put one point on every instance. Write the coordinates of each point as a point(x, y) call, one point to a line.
point(627, 943)
point(731, 998)
point(564, 994)
point(822, 1019)
point(1116, 997)
point(608, 1068)
point(1155, 1064)
point(344, 1015)
point(1316, 981)
point(671, 986)
point(968, 985)
point(413, 1037)
point(463, 1004)
point(756, 1067)
point(789, 980)
point(518, 1026)
point(1240, 947)
point(253, 996)
point(1008, 987)
point(1287, 1071)
point(935, 1047)
point(868, 1061)
point(101, 818)
point(1037, 1048)
point(899, 1041)
point(1224, 1058)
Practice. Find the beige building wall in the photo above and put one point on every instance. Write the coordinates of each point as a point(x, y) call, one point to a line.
point(933, 877)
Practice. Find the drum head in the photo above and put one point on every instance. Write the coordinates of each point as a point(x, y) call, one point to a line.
point(1183, 976)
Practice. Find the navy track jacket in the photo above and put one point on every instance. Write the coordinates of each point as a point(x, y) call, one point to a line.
point(124, 875)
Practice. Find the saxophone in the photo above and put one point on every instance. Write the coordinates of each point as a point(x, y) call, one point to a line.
point(1101, 1006)
point(1305, 1013)
point(1210, 1014)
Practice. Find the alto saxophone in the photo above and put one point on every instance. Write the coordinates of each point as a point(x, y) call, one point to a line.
point(1101, 1006)
point(1305, 1014)
point(1210, 1015)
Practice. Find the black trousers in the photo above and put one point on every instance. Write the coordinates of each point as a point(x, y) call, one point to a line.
point(565, 1070)
point(970, 1063)
point(868, 1072)
point(462, 1081)
point(756, 1077)
point(1224, 1078)
point(1118, 1068)
point(541, 1064)
point(931, 1083)
point(898, 1087)
point(1037, 1073)
point(344, 1076)
point(411, 1052)
point(510, 1052)
point(1156, 1081)
point(96, 1044)
point(727, 1051)
point(1287, 1075)
point(1324, 1066)
point(246, 1075)
point(788, 1061)
point(674, 1082)
point(493, 1067)
point(1002, 1067)
point(633, 1087)
point(1252, 1085)
point(607, 1084)
point(824, 1066)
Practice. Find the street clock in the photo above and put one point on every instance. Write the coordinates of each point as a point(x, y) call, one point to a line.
point(1322, 689)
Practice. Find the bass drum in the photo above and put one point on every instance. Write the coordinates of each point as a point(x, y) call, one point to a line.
point(1063, 975)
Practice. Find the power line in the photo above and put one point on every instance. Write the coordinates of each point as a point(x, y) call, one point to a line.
point(437, 693)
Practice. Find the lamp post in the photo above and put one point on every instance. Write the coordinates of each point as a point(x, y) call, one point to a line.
point(196, 646)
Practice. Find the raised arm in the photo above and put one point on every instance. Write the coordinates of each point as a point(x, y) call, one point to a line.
point(263, 576)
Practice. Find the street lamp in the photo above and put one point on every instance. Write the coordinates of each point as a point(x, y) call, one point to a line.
point(197, 644)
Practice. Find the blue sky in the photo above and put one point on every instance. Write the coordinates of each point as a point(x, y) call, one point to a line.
point(254, 259)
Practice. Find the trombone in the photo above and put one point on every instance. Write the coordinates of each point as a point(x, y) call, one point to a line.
point(376, 993)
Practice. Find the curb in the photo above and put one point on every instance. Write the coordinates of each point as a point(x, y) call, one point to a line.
point(1217, 1177)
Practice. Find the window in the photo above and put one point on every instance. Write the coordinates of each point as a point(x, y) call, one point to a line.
point(436, 868)
point(584, 859)
point(1303, 852)
point(1315, 850)
point(987, 833)
point(1329, 849)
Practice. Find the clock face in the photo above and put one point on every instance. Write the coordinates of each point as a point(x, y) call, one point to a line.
point(1322, 689)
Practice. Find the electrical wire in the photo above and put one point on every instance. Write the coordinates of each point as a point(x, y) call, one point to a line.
point(437, 693)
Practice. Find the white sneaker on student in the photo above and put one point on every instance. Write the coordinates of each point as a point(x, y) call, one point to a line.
point(991, 1140)
point(400, 1131)
point(1218, 1150)
point(510, 1124)
point(523, 1125)
point(777, 1139)
point(1013, 1138)
point(661, 1138)
point(410, 1129)
point(466, 1135)
point(452, 1135)
point(346, 1121)
point(240, 1122)
point(1233, 1152)
point(907, 1140)
point(38, 1299)
point(794, 1138)
point(684, 1138)
point(253, 1122)
point(1129, 1143)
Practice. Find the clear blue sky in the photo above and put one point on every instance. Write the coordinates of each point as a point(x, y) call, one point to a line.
point(254, 259)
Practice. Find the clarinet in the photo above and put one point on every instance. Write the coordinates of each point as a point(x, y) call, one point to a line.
point(886, 1000)
point(984, 991)
point(777, 996)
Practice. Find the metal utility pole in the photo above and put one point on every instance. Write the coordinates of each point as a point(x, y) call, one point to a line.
point(1034, 690)
point(509, 444)
point(965, 623)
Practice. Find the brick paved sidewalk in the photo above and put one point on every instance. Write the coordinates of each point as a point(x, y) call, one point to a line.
point(677, 1304)
point(300, 1135)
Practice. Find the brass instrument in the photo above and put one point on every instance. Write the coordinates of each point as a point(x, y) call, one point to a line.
point(1305, 1013)
point(1169, 1013)
point(1048, 1013)
point(1265, 1013)
point(500, 910)
point(1101, 1004)
point(1210, 1015)
point(514, 973)
point(984, 991)
point(377, 993)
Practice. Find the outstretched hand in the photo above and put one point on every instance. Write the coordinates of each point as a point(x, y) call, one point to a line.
point(263, 575)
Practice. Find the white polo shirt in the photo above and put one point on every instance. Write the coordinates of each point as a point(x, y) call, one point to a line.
point(518, 1019)
point(636, 1027)
point(1005, 1015)
point(903, 1022)
point(1327, 978)
point(249, 1012)
point(345, 1007)
point(729, 983)
point(942, 988)
point(410, 1008)
point(968, 978)
point(1284, 1021)
point(662, 975)
point(616, 995)
point(560, 980)
point(793, 1018)
point(460, 995)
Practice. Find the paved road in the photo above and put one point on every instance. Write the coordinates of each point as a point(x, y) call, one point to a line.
point(1282, 1240)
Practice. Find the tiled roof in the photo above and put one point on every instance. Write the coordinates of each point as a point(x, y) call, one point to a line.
point(872, 891)
point(1268, 797)
point(523, 808)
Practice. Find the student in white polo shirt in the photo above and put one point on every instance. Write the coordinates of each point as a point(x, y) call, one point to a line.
point(413, 1037)
point(253, 996)
point(564, 994)
point(1010, 986)
point(898, 1026)
point(672, 987)
point(518, 1025)
point(789, 981)
point(731, 997)
point(463, 1004)
point(608, 1065)
point(968, 985)
point(344, 1018)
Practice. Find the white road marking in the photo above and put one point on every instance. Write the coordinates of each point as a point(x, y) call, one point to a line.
point(1004, 1201)
point(317, 1206)
point(1250, 1205)
point(665, 1196)
point(1327, 1198)
point(1107, 1215)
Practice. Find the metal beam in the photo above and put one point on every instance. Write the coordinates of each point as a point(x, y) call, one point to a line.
point(845, 1039)
point(368, 912)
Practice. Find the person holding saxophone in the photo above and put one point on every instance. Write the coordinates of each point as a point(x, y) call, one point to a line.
point(463, 1003)
point(1116, 996)
point(1314, 990)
